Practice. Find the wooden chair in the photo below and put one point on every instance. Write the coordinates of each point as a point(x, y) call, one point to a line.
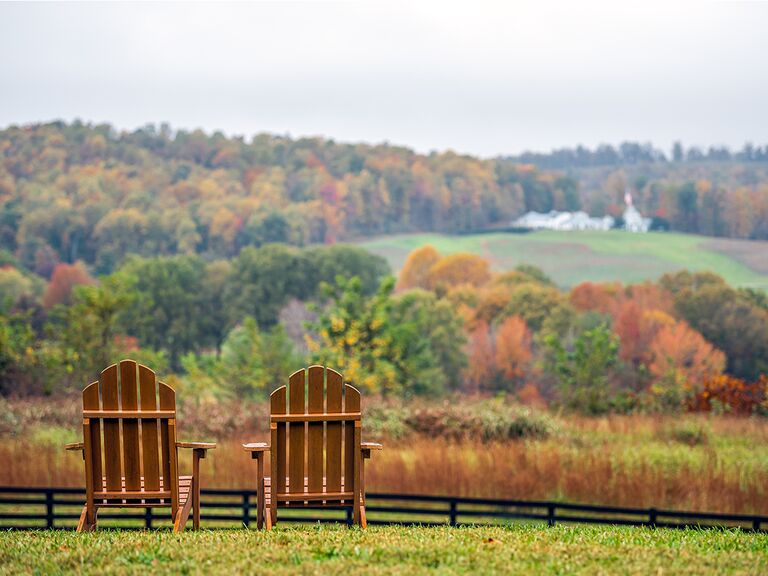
point(316, 450)
point(134, 465)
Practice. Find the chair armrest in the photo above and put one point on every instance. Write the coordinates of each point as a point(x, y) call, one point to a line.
point(257, 449)
point(197, 445)
point(366, 447)
point(74, 446)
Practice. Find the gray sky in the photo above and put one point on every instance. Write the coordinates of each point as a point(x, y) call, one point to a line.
point(481, 78)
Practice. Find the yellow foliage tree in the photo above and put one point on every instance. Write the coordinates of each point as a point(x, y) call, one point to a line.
point(415, 272)
point(457, 269)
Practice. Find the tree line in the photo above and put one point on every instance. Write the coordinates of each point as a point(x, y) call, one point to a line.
point(631, 153)
point(235, 328)
point(76, 191)
point(56, 336)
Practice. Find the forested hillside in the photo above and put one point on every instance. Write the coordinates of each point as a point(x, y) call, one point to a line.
point(175, 249)
point(714, 192)
point(78, 192)
point(73, 192)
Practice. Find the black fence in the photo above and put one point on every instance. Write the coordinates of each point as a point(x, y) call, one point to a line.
point(36, 508)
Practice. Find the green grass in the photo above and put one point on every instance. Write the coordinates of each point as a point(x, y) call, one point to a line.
point(389, 550)
point(574, 257)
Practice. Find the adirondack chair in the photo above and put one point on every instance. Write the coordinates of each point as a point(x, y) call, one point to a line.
point(323, 429)
point(134, 472)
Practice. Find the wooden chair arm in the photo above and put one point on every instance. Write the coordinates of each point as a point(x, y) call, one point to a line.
point(366, 447)
point(257, 449)
point(199, 449)
point(197, 445)
point(74, 446)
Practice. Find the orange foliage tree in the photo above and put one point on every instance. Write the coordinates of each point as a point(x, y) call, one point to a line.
point(733, 395)
point(682, 358)
point(65, 277)
point(513, 348)
point(480, 368)
point(599, 297)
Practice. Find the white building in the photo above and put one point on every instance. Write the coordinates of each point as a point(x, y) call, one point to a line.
point(554, 220)
point(634, 221)
point(567, 221)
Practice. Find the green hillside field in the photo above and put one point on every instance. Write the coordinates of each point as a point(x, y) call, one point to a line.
point(574, 257)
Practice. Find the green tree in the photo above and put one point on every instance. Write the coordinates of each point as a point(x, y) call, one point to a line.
point(84, 333)
point(167, 313)
point(213, 319)
point(428, 321)
point(242, 364)
point(262, 280)
point(583, 372)
point(325, 263)
point(18, 355)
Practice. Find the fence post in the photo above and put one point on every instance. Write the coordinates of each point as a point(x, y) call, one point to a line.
point(349, 516)
point(49, 509)
point(652, 517)
point(550, 515)
point(246, 509)
point(453, 513)
point(148, 518)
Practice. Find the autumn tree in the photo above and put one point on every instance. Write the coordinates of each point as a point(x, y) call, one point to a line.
point(481, 358)
point(416, 270)
point(456, 269)
point(681, 360)
point(65, 277)
point(513, 349)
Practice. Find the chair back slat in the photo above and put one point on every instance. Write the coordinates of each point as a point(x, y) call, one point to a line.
point(315, 405)
point(112, 452)
point(314, 442)
point(149, 436)
point(93, 432)
point(334, 383)
point(130, 401)
point(168, 443)
point(124, 405)
point(351, 404)
point(277, 405)
point(296, 431)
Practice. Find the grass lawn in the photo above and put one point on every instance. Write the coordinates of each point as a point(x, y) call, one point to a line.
point(390, 550)
point(573, 257)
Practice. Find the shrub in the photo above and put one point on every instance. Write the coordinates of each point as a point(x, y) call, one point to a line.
point(690, 433)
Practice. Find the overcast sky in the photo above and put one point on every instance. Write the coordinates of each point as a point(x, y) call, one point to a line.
point(481, 78)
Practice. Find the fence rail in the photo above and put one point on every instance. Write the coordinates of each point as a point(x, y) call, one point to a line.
point(36, 508)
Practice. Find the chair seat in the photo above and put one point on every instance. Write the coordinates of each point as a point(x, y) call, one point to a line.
point(135, 499)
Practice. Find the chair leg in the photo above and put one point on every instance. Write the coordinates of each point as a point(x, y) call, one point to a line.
point(363, 521)
point(86, 523)
point(182, 515)
point(261, 500)
point(195, 491)
point(81, 525)
point(268, 518)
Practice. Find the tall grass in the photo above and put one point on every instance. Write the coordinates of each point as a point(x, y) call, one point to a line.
point(683, 462)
